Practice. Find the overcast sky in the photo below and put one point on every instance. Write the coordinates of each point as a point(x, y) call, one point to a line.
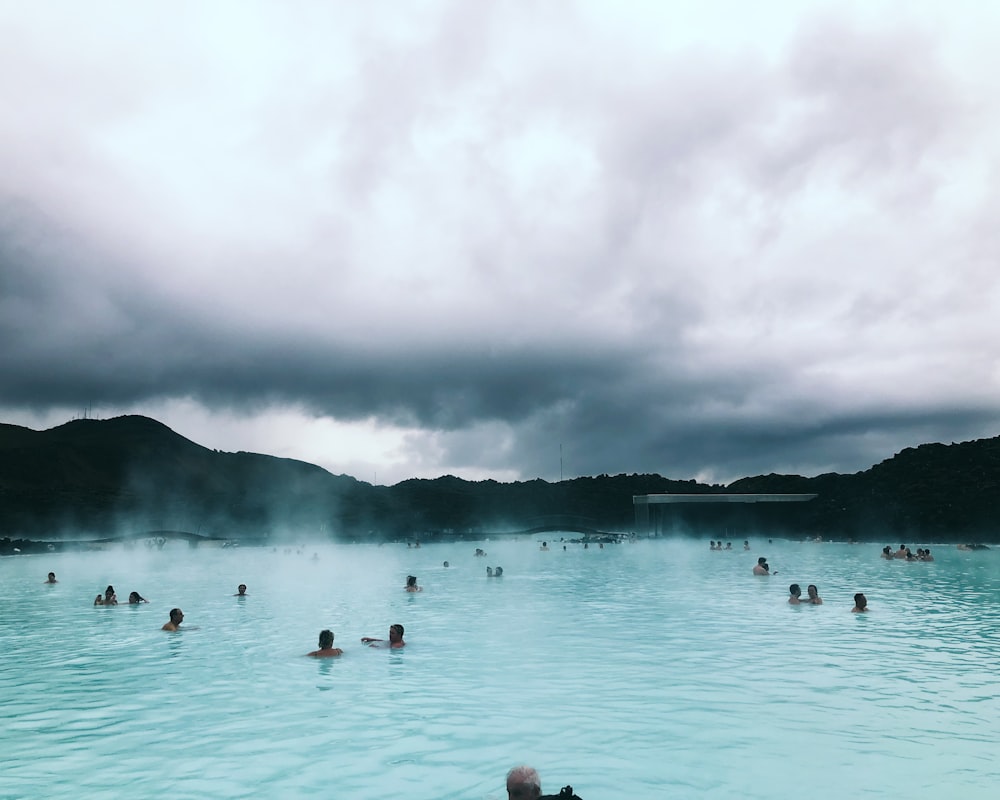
point(506, 240)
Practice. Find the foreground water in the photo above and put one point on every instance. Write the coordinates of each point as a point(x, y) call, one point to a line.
point(644, 670)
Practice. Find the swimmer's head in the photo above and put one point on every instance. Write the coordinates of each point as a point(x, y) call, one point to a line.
point(396, 633)
point(325, 639)
point(795, 590)
point(411, 580)
point(523, 783)
point(762, 561)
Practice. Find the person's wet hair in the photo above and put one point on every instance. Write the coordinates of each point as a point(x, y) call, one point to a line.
point(325, 639)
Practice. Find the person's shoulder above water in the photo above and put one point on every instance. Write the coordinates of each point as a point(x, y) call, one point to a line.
point(860, 604)
point(326, 648)
point(176, 618)
point(395, 638)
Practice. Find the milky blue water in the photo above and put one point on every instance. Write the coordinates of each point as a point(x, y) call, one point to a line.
point(644, 670)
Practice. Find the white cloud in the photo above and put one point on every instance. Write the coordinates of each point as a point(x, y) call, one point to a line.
point(705, 238)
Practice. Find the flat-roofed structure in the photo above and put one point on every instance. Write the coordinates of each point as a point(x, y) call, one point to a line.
point(647, 522)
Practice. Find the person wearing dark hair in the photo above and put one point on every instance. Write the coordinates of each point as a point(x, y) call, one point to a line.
point(110, 598)
point(411, 584)
point(51, 578)
point(241, 590)
point(794, 593)
point(176, 618)
point(395, 638)
point(761, 568)
point(326, 648)
point(860, 604)
point(498, 572)
point(135, 598)
point(814, 598)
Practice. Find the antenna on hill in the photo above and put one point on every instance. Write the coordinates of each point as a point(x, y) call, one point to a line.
point(560, 463)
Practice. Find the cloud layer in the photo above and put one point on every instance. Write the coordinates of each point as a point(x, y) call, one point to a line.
point(458, 238)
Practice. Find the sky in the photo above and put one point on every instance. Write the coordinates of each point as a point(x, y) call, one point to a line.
point(507, 240)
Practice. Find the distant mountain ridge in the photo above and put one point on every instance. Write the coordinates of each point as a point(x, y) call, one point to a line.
point(90, 478)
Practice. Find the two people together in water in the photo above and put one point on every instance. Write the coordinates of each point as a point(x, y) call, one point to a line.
point(109, 598)
point(795, 595)
point(326, 648)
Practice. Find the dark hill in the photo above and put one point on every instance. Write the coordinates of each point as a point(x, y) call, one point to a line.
point(933, 491)
point(133, 472)
point(91, 478)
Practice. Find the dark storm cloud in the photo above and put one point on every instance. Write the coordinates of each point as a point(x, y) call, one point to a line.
point(507, 230)
point(117, 343)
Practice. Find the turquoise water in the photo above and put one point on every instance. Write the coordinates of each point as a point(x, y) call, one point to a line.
point(644, 670)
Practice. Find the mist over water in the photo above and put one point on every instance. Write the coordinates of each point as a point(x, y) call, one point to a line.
point(649, 669)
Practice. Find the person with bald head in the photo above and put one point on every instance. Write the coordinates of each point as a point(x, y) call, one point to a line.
point(523, 783)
